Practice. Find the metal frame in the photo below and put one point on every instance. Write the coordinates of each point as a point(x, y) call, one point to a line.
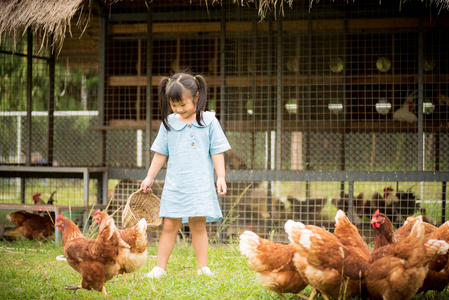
point(23, 172)
point(278, 121)
point(280, 175)
point(99, 173)
point(268, 175)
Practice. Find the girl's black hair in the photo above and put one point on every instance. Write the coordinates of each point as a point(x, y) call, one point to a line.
point(171, 89)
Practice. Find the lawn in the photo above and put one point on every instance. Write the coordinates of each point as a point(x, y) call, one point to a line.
point(30, 271)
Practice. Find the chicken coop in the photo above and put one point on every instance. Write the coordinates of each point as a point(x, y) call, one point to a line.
point(327, 105)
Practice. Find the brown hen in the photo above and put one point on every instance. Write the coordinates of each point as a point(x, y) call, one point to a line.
point(133, 245)
point(384, 233)
point(94, 259)
point(398, 270)
point(325, 263)
point(32, 226)
point(438, 276)
point(349, 235)
point(273, 263)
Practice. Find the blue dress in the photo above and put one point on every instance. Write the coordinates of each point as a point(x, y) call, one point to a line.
point(189, 188)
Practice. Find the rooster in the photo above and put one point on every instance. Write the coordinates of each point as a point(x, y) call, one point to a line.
point(133, 242)
point(94, 259)
point(325, 263)
point(273, 263)
point(405, 112)
point(389, 197)
point(398, 270)
point(37, 199)
point(406, 206)
point(397, 206)
point(378, 201)
point(32, 226)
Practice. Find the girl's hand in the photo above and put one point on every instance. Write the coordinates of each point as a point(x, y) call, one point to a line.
point(221, 186)
point(146, 185)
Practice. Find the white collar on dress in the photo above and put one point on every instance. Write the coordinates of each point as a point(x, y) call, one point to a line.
point(207, 118)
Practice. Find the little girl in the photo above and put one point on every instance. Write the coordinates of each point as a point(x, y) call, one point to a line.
point(193, 143)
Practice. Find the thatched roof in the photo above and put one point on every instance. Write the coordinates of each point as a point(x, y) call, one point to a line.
point(42, 17)
point(53, 17)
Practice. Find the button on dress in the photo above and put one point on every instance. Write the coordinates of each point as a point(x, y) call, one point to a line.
point(189, 188)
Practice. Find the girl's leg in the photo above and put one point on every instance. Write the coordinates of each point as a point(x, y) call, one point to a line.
point(167, 241)
point(199, 239)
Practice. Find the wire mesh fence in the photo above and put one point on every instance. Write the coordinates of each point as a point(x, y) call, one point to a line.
point(352, 87)
point(264, 207)
point(67, 192)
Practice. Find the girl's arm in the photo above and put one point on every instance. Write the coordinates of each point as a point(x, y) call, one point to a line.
point(156, 164)
point(219, 165)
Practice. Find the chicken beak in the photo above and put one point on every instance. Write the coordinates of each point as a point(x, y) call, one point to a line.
point(375, 223)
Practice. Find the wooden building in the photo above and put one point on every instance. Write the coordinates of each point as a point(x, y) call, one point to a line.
point(318, 100)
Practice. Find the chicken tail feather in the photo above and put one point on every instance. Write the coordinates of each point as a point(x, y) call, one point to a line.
point(435, 248)
point(291, 227)
point(248, 242)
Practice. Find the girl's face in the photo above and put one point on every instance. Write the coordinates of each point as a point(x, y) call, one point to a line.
point(186, 109)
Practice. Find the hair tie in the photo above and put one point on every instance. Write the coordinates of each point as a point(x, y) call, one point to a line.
point(169, 80)
point(194, 78)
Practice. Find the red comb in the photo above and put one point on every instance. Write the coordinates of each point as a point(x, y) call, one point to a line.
point(376, 213)
point(36, 195)
point(97, 211)
point(59, 217)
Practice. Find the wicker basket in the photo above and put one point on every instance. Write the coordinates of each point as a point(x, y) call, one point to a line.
point(142, 205)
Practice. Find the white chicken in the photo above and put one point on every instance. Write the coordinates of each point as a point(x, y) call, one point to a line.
point(405, 113)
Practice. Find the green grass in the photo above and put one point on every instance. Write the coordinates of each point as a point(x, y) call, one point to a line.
point(30, 271)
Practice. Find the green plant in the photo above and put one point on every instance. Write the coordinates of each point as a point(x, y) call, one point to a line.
point(30, 271)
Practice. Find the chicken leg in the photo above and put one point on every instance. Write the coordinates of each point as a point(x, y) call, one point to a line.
point(104, 293)
point(75, 287)
point(312, 294)
point(305, 297)
point(299, 294)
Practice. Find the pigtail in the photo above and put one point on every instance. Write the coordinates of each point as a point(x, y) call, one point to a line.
point(202, 97)
point(164, 101)
point(172, 89)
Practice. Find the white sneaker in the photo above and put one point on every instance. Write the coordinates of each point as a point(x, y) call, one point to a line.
point(205, 271)
point(156, 273)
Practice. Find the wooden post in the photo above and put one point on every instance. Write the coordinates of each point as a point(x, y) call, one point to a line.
point(51, 102)
point(149, 90)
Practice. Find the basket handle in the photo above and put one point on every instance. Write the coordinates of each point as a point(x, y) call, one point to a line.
point(141, 190)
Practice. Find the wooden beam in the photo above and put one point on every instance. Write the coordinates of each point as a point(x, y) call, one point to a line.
point(297, 125)
point(185, 27)
point(133, 80)
point(328, 25)
point(387, 23)
point(289, 80)
point(296, 26)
